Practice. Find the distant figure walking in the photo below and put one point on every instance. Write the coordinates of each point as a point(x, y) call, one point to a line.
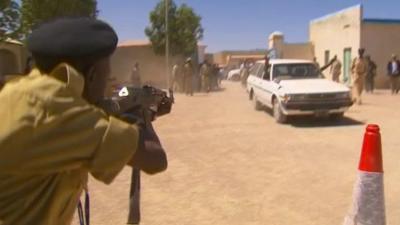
point(244, 73)
point(188, 77)
point(135, 76)
point(393, 71)
point(359, 69)
point(370, 77)
point(336, 69)
point(177, 77)
point(316, 63)
point(205, 74)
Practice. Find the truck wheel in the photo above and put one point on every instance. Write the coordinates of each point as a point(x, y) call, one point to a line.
point(257, 104)
point(277, 112)
point(336, 116)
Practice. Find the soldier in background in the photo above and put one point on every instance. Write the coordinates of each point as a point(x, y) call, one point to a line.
point(267, 65)
point(370, 76)
point(205, 74)
point(336, 69)
point(393, 71)
point(135, 76)
point(316, 62)
point(245, 73)
point(177, 77)
point(359, 70)
point(214, 76)
point(188, 77)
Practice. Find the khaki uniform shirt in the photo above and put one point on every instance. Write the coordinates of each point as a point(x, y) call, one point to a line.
point(205, 71)
point(50, 139)
point(359, 66)
point(336, 68)
point(187, 70)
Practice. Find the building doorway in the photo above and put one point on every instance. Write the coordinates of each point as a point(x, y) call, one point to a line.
point(347, 66)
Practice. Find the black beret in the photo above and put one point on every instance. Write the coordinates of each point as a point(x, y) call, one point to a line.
point(73, 37)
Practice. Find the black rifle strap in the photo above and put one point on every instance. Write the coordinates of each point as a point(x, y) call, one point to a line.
point(134, 198)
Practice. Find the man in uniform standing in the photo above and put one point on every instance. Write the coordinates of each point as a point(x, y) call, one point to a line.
point(316, 63)
point(56, 131)
point(336, 69)
point(393, 71)
point(359, 69)
point(188, 77)
point(177, 77)
point(267, 65)
point(370, 77)
point(205, 74)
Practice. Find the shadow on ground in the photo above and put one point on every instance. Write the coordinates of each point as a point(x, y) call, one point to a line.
point(312, 121)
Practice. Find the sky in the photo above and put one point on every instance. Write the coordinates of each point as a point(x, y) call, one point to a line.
point(240, 24)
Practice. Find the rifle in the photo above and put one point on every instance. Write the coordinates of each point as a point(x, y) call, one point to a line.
point(158, 103)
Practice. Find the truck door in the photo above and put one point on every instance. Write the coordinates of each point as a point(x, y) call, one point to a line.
point(253, 81)
point(266, 85)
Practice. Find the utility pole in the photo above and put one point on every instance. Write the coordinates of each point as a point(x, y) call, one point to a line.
point(167, 43)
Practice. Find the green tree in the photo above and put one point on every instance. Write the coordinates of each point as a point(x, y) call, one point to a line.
point(9, 19)
point(35, 12)
point(183, 25)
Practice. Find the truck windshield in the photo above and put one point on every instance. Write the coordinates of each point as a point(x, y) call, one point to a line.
point(296, 71)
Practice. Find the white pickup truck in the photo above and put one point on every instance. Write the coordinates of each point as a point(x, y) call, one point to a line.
point(296, 87)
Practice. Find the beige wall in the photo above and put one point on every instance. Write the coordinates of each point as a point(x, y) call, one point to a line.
point(152, 67)
point(298, 51)
point(220, 58)
point(381, 40)
point(336, 32)
point(235, 57)
point(12, 58)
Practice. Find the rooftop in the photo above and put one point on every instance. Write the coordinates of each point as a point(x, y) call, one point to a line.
point(134, 43)
point(359, 6)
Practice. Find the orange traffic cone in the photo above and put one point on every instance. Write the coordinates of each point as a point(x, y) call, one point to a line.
point(369, 204)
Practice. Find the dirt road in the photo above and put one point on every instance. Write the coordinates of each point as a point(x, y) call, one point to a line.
point(232, 165)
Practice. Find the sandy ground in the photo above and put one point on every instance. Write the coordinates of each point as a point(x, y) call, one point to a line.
point(232, 165)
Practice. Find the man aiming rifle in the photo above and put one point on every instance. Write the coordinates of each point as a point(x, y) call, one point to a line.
point(140, 106)
point(55, 129)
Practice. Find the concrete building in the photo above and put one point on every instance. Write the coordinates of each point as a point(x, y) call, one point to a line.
point(278, 48)
point(344, 32)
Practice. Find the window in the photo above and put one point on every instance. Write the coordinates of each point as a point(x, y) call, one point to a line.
point(347, 65)
point(261, 72)
point(295, 71)
point(327, 55)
